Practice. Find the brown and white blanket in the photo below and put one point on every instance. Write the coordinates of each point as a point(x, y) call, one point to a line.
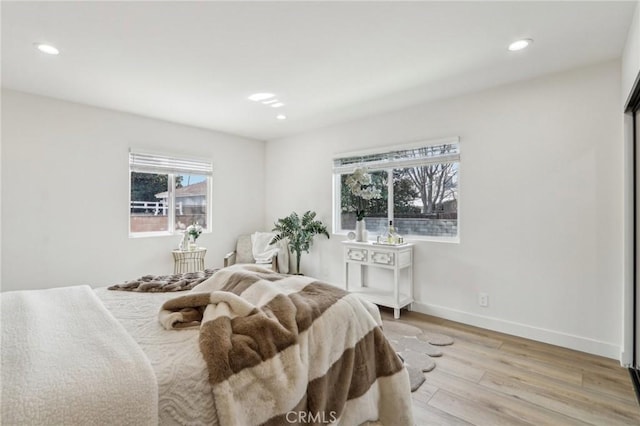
point(165, 283)
point(286, 349)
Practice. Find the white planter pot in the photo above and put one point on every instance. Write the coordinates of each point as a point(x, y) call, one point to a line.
point(361, 231)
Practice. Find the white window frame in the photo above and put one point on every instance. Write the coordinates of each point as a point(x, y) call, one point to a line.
point(170, 165)
point(389, 166)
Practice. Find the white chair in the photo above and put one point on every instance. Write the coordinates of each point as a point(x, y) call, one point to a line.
point(255, 249)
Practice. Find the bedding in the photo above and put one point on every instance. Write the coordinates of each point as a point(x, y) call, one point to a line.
point(184, 391)
point(51, 375)
point(165, 283)
point(281, 347)
point(162, 376)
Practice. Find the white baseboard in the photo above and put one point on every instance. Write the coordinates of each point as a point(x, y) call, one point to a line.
point(579, 343)
point(625, 359)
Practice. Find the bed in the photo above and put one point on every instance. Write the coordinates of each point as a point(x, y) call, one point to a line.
point(154, 370)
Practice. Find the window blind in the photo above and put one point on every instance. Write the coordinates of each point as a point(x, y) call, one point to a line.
point(401, 157)
point(154, 163)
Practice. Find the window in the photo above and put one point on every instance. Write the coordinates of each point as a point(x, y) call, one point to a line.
point(167, 194)
point(419, 190)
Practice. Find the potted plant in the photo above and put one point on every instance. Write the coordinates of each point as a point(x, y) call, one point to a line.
point(190, 236)
point(363, 190)
point(300, 232)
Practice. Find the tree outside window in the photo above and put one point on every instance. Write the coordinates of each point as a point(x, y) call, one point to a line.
point(424, 194)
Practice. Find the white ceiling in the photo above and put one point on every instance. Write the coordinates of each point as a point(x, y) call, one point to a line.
point(196, 62)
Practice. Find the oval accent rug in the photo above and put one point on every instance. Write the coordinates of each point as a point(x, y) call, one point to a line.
point(416, 348)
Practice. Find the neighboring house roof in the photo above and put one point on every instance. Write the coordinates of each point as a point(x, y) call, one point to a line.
point(194, 190)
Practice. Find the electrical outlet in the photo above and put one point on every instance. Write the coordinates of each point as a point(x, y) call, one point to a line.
point(483, 299)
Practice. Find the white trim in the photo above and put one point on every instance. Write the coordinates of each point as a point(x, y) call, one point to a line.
point(558, 338)
point(390, 197)
point(150, 234)
point(171, 199)
point(398, 164)
point(410, 145)
point(150, 162)
point(434, 239)
point(414, 239)
point(129, 204)
point(209, 227)
point(181, 166)
point(336, 205)
point(388, 167)
point(627, 353)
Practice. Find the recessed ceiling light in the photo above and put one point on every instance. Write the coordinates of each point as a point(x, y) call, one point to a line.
point(257, 97)
point(270, 101)
point(47, 48)
point(281, 117)
point(520, 44)
point(277, 105)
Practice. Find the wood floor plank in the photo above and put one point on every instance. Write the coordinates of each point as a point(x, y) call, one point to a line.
point(504, 403)
point(422, 396)
point(472, 411)
point(609, 385)
point(570, 402)
point(545, 349)
point(435, 417)
point(460, 368)
point(498, 361)
point(489, 378)
point(595, 363)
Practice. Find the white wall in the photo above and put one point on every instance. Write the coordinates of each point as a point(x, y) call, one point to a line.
point(1, 193)
point(630, 71)
point(540, 205)
point(631, 55)
point(65, 192)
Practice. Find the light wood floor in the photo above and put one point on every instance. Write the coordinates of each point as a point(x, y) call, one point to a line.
point(490, 378)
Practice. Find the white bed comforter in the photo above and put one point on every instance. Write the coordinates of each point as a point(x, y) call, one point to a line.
point(67, 360)
point(185, 396)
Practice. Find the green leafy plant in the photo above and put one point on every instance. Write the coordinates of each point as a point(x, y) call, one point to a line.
point(194, 231)
point(300, 232)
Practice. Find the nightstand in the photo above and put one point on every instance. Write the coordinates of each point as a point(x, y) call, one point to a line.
point(188, 260)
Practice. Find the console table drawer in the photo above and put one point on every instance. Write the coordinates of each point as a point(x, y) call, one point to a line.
point(383, 258)
point(357, 255)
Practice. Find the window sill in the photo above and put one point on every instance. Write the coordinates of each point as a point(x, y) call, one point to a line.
point(423, 239)
point(411, 238)
point(160, 234)
point(151, 234)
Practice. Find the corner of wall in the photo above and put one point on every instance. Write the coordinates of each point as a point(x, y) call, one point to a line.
point(631, 56)
point(0, 193)
point(630, 70)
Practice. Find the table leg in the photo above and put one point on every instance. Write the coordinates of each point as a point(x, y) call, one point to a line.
point(346, 276)
point(396, 313)
point(396, 287)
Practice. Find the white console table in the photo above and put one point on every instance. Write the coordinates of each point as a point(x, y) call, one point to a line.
point(393, 257)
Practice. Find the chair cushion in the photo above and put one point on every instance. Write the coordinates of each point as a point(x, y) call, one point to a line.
point(244, 252)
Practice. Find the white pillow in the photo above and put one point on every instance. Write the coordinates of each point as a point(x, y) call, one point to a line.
point(262, 251)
